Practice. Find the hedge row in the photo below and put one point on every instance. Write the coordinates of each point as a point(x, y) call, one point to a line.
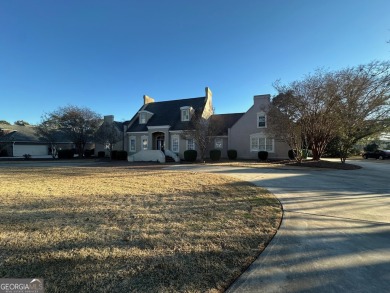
point(119, 155)
point(66, 154)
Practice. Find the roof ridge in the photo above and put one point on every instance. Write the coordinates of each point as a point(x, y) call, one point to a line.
point(185, 99)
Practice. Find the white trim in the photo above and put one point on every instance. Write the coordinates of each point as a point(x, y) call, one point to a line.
point(137, 132)
point(158, 127)
point(145, 111)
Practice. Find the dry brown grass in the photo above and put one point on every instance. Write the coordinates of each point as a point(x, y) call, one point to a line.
point(323, 164)
point(86, 229)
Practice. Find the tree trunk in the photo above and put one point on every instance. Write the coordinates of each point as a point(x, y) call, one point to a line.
point(316, 153)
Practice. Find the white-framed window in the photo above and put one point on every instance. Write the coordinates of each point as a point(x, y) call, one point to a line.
point(144, 142)
point(185, 114)
point(132, 144)
point(261, 120)
point(259, 142)
point(175, 143)
point(190, 144)
point(218, 143)
point(142, 118)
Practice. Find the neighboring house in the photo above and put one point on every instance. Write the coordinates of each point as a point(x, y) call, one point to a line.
point(155, 131)
point(17, 140)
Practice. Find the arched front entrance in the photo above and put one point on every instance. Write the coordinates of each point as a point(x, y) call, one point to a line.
point(159, 141)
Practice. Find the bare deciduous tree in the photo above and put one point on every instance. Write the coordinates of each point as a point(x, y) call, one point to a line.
point(202, 131)
point(108, 134)
point(49, 131)
point(284, 124)
point(349, 104)
point(78, 124)
point(311, 106)
point(363, 103)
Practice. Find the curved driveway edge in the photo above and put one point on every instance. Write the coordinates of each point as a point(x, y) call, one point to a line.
point(335, 234)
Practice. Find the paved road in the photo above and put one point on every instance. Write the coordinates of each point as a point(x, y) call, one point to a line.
point(335, 235)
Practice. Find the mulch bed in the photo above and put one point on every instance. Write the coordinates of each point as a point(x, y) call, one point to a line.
point(324, 164)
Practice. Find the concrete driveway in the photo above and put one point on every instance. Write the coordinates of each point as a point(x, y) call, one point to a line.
point(335, 234)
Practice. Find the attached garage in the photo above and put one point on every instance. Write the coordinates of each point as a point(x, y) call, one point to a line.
point(17, 140)
point(34, 150)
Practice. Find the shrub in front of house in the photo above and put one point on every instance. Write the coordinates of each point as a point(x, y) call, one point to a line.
point(3, 153)
point(262, 155)
point(89, 153)
point(215, 155)
point(101, 154)
point(27, 156)
point(114, 155)
point(121, 155)
point(190, 155)
point(232, 154)
point(65, 154)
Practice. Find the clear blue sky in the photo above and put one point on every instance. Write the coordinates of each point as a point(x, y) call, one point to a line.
point(106, 55)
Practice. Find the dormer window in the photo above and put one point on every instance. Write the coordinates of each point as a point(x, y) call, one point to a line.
point(142, 118)
point(185, 113)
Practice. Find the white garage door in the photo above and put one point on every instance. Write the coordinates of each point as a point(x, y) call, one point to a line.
point(33, 150)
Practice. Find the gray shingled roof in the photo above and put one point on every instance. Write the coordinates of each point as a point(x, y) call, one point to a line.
point(17, 133)
point(167, 113)
point(225, 121)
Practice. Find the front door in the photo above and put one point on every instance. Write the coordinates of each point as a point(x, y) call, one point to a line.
point(160, 142)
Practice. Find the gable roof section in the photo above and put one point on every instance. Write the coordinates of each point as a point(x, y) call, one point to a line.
point(224, 121)
point(16, 133)
point(26, 134)
point(166, 113)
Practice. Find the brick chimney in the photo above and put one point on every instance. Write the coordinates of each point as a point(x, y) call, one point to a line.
point(148, 100)
point(109, 119)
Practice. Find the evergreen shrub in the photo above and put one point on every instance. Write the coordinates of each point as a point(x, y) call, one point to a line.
point(232, 154)
point(262, 155)
point(190, 155)
point(215, 155)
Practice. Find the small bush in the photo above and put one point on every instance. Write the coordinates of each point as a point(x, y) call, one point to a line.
point(291, 154)
point(89, 153)
point(27, 156)
point(101, 154)
point(190, 155)
point(262, 155)
point(65, 154)
point(3, 153)
point(114, 155)
point(215, 155)
point(232, 154)
point(121, 155)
